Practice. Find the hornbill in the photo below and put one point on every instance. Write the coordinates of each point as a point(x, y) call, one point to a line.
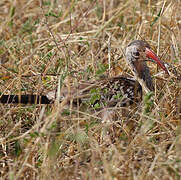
point(114, 91)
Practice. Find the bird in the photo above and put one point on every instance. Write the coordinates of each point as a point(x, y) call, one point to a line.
point(108, 92)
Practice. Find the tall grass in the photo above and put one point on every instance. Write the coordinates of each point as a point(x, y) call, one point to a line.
point(48, 43)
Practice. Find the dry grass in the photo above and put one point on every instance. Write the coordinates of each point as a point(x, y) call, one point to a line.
point(67, 41)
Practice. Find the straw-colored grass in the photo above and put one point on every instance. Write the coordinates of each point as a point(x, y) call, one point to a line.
point(44, 43)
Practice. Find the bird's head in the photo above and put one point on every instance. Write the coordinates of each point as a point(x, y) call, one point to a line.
point(137, 53)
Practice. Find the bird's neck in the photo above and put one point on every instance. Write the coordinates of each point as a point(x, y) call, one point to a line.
point(143, 72)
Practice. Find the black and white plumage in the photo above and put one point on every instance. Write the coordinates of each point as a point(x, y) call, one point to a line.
point(111, 91)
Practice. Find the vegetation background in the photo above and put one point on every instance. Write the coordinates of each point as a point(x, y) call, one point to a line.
point(46, 43)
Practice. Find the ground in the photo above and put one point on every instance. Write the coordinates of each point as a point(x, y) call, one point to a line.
point(45, 44)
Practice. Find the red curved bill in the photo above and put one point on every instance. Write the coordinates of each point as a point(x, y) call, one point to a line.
point(153, 56)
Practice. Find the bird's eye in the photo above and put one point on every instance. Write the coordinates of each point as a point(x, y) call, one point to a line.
point(136, 54)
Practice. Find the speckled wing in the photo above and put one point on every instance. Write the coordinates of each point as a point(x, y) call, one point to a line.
point(120, 91)
point(116, 91)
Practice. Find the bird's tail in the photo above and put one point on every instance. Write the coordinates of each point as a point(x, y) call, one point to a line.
point(25, 99)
